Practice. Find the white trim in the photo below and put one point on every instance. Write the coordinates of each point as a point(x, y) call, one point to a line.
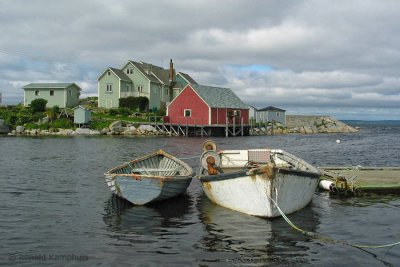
point(183, 77)
point(98, 94)
point(152, 73)
point(65, 98)
point(184, 112)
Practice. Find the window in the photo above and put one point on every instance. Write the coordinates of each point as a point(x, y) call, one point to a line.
point(236, 113)
point(278, 114)
point(129, 71)
point(51, 92)
point(128, 88)
point(69, 92)
point(109, 88)
point(109, 73)
point(36, 92)
point(166, 91)
point(187, 113)
point(140, 88)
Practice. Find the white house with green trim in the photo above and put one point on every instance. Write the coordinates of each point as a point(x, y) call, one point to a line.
point(137, 79)
point(56, 94)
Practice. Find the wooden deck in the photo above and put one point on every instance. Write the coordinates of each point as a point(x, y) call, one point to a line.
point(367, 179)
point(227, 130)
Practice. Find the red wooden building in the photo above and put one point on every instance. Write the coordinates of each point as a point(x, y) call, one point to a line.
point(207, 106)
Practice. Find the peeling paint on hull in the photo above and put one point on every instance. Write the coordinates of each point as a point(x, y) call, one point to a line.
point(151, 178)
point(248, 180)
point(251, 194)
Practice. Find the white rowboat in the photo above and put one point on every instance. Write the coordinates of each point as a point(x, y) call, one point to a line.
point(249, 181)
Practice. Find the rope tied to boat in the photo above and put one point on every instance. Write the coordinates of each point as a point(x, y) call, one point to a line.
point(327, 239)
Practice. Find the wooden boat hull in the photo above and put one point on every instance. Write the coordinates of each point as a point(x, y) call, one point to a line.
point(249, 181)
point(152, 178)
point(149, 189)
point(252, 194)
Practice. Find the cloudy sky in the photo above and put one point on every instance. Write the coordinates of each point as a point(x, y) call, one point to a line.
point(339, 58)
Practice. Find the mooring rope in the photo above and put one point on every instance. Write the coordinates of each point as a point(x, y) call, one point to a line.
point(315, 235)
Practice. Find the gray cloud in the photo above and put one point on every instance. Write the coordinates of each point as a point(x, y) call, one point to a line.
point(320, 57)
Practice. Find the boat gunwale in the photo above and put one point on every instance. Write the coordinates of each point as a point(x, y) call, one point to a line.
point(243, 173)
point(111, 172)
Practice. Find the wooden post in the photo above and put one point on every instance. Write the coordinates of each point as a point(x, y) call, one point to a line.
point(242, 125)
point(187, 130)
point(272, 128)
point(234, 128)
point(226, 127)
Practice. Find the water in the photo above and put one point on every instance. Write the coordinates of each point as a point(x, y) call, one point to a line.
point(56, 209)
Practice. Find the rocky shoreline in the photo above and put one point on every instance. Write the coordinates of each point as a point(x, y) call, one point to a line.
point(294, 124)
point(115, 128)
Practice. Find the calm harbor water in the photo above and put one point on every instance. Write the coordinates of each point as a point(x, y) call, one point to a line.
point(56, 209)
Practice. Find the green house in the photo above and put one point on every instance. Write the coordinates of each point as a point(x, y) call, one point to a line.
point(56, 94)
point(137, 79)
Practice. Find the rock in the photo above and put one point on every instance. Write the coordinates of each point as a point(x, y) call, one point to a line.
point(4, 127)
point(19, 129)
point(82, 131)
point(104, 130)
point(65, 132)
point(94, 132)
point(146, 128)
point(116, 126)
point(33, 132)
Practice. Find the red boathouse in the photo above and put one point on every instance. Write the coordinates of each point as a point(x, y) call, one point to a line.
point(214, 107)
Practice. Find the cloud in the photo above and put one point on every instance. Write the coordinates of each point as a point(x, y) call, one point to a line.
point(305, 56)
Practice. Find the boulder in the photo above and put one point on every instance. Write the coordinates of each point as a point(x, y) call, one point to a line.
point(94, 132)
point(116, 126)
point(65, 132)
point(19, 129)
point(82, 131)
point(146, 128)
point(105, 130)
point(4, 127)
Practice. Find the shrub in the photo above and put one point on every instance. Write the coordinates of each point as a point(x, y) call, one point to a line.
point(38, 105)
point(134, 103)
point(124, 111)
point(112, 112)
point(53, 113)
point(97, 124)
point(63, 123)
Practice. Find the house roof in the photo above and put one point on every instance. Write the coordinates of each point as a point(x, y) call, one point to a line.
point(187, 78)
point(217, 97)
point(154, 73)
point(271, 108)
point(49, 85)
point(120, 74)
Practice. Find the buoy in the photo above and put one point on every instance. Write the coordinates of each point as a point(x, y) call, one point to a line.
point(338, 141)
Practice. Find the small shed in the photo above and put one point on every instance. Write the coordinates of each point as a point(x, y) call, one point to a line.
point(270, 114)
point(82, 115)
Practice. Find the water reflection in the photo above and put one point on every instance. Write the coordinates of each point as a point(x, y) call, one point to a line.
point(257, 241)
point(122, 216)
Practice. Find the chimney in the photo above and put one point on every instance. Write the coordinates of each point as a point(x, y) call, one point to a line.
point(171, 71)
